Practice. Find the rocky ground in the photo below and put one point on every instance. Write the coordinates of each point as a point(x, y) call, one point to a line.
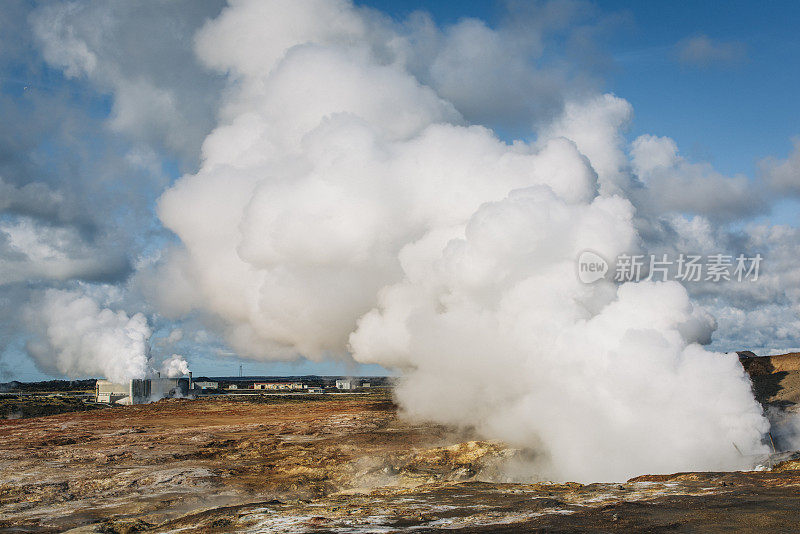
point(333, 463)
point(22, 406)
point(775, 379)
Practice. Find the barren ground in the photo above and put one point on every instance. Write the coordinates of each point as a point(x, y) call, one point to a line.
point(332, 464)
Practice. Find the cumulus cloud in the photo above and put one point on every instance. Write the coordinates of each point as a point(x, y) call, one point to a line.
point(759, 315)
point(36, 199)
point(702, 52)
point(77, 184)
point(76, 198)
point(31, 251)
point(489, 76)
point(44, 235)
point(783, 176)
point(141, 53)
point(674, 184)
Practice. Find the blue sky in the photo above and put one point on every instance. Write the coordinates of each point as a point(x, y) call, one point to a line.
point(730, 114)
point(731, 109)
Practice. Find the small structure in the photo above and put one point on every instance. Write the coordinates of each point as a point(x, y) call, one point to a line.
point(141, 390)
point(315, 390)
point(279, 386)
point(344, 384)
point(109, 392)
point(233, 386)
point(207, 384)
point(364, 384)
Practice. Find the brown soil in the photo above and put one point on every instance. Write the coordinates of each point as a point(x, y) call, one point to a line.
point(336, 463)
point(775, 379)
point(21, 406)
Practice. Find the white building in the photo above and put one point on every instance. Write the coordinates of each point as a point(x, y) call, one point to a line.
point(141, 390)
point(344, 384)
point(206, 385)
point(109, 392)
point(281, 386)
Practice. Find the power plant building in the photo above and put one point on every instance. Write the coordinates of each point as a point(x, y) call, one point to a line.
point(279, 385)
point(345, 384)
point(141, 390)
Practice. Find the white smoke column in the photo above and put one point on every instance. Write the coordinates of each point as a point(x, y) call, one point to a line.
point(343, 207)
point(75, 337)
point(175, 366)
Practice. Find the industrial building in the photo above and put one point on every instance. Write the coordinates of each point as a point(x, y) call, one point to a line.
point(141, 390)
point(350, 383)
point(281, 386)
point(345, 384)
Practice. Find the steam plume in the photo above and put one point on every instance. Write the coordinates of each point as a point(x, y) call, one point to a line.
point(74, 336)
point(174, 366)
point(344, 206)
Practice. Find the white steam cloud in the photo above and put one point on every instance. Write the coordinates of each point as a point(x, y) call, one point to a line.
point(175, 366)
point(344, 206)
point(74, 336)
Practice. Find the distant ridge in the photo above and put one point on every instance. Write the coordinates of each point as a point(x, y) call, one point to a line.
point(777, 363)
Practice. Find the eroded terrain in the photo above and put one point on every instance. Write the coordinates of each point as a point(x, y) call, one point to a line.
point(335, 463)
